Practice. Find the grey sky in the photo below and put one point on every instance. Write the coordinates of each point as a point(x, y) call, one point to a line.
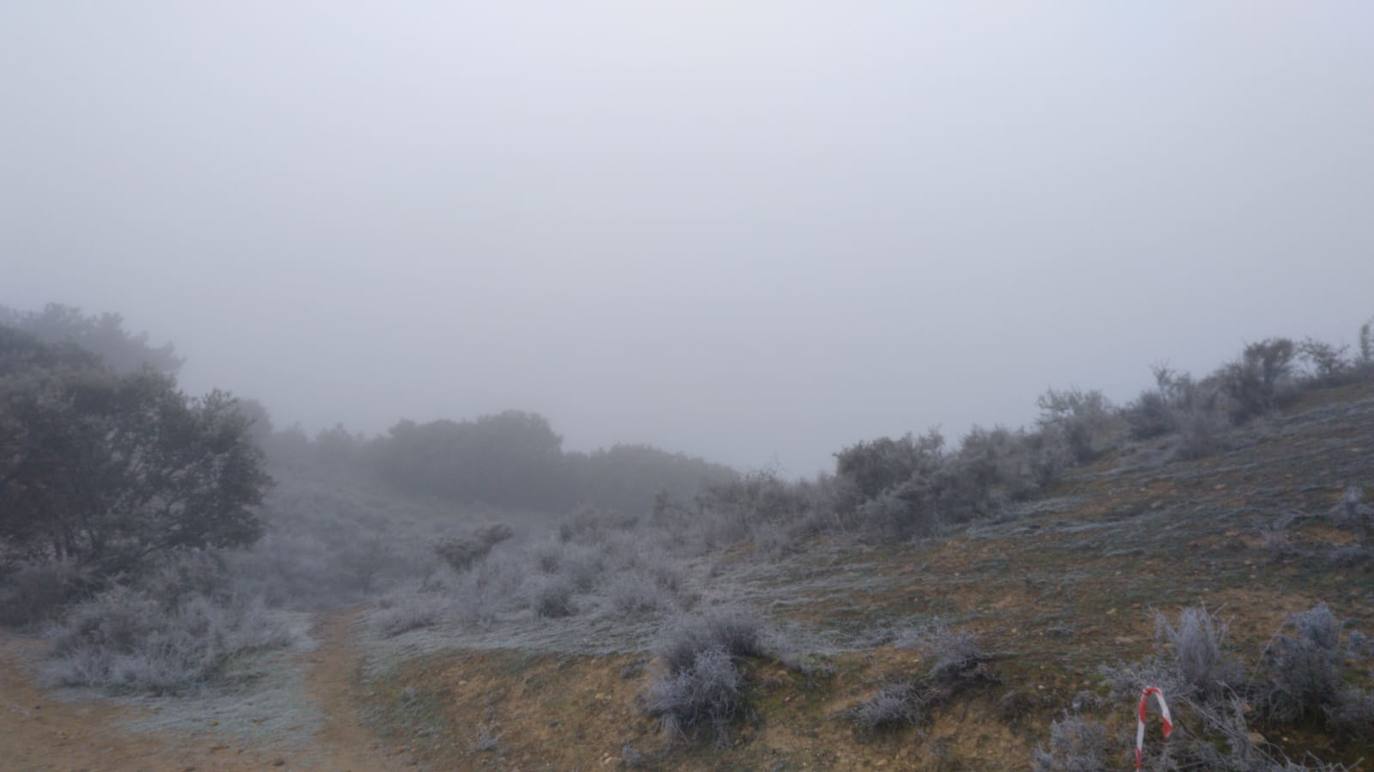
point(755, 231)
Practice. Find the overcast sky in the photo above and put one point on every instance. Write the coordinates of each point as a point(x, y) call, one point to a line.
point(755, 231)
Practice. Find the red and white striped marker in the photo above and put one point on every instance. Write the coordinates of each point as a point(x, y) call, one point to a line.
point(1168, 724)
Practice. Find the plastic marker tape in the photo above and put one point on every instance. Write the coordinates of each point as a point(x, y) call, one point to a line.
point(1167, 722)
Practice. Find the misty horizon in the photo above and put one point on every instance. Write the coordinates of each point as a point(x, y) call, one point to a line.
point(755, 235)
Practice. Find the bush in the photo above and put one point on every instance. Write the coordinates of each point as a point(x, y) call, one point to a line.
point(461, 552)
point(1198, 412)
point(1084, 419)
point(1076, 745)
point(1197, 664)
point(127, 640)
point(877, 466)
point(632, 592)
point(735, 631)
point(552, 598)
point(1328, 363)
point(412, 611)
point(1304, 666)
point(705, 695)
point(701, 688)
point(1260, 380)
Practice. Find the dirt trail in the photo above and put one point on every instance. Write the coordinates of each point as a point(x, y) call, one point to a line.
point(41, 733)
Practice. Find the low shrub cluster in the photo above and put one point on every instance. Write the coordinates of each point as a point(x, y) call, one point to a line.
point(460, 552)
point(173, 629)
point(701, 691)
point(1300, 679)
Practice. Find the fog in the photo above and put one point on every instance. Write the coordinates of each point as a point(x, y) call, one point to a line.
point(751, 231)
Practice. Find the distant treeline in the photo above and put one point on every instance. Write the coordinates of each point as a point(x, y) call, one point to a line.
point(511, 459)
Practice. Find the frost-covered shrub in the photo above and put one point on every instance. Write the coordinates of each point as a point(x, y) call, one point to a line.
point(409, 611)
point(1076, 745)
point(701, 688)
point(1197, 661)
point(706, 695)
point(735, 631)
point(1199, 413)
point(1261, 380)
point(127, 640)
point(583, 567)
point(1085, 419)
point(1190, 661)
point(632, 592)
point(1304, 666)
point(461, 552)
point(552, 598)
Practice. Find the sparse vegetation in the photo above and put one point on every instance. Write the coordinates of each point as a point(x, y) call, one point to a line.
point(958, 663)
point(1076, 745)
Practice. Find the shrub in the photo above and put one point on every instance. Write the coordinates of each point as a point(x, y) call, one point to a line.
point(1083, 418)
point(1259, 381)
point(632, 592)
point(1329, 364)
point(584, 568)
point(1195, 660)
point(702, 688)
point(1190, 661)
point(1198, 412)
point(127, 640)
point(1076, 745)
point(461, 552)
point(876, 466)
point(706, 694)
point(734, 631)
point(552, 598)
point(411, 611)
point(1303, 666)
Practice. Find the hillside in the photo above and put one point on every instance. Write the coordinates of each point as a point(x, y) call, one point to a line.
point(1054, 590)
point(1058, 589)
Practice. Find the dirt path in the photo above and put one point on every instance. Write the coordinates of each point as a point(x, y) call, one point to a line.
point(41, 733)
